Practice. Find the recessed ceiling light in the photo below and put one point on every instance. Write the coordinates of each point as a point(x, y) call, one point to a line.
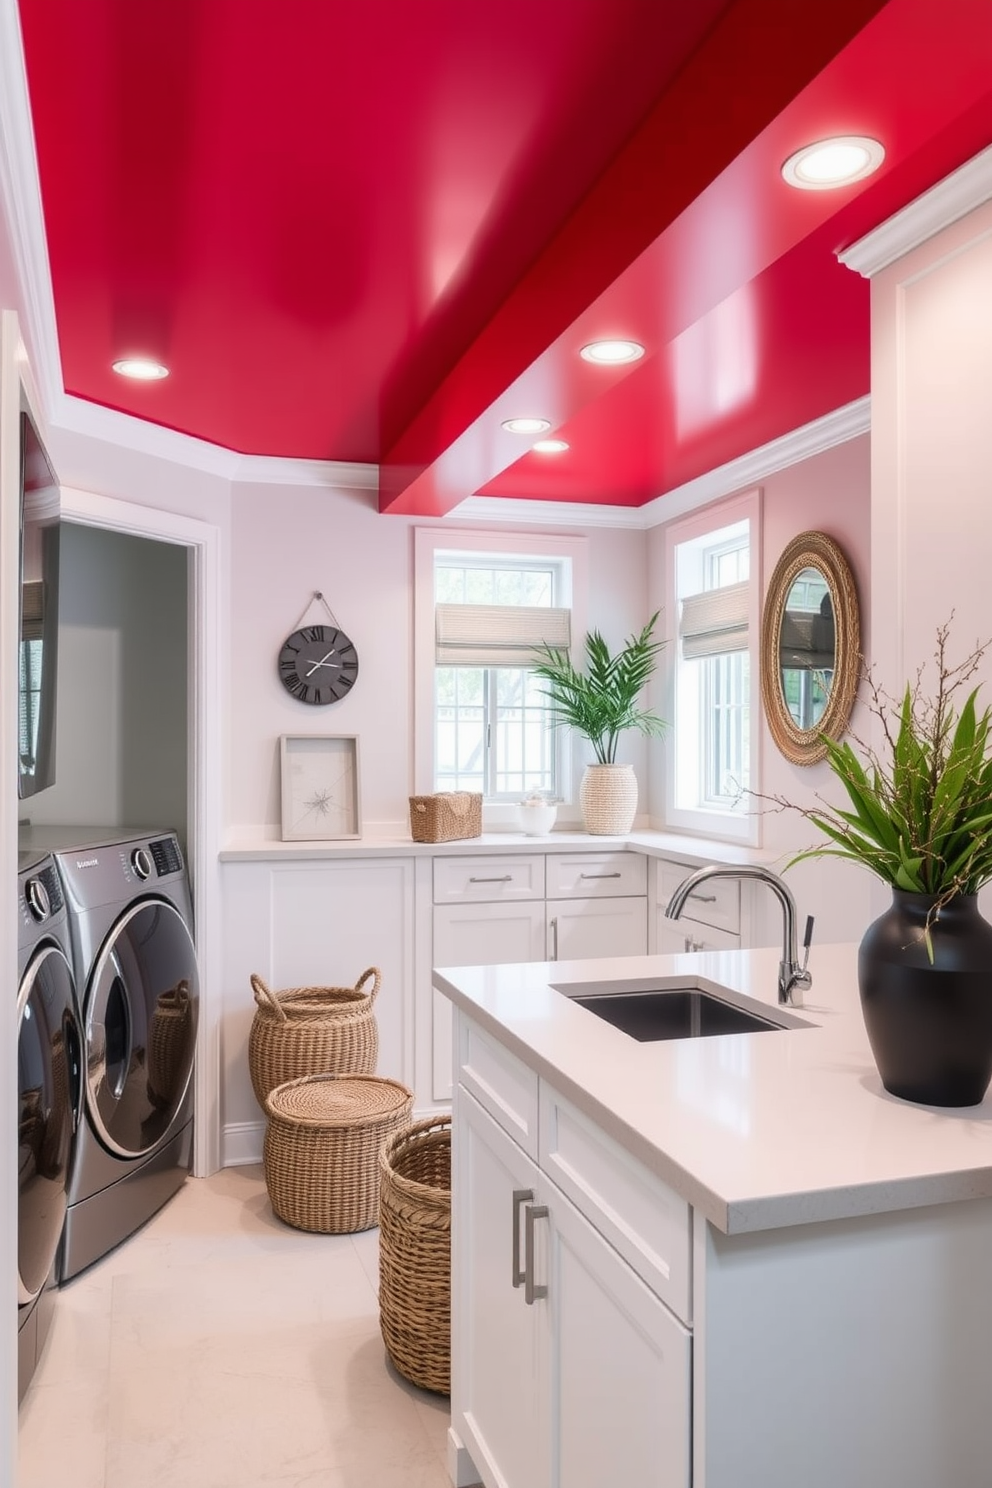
point(526, 425)
point(142, 369)
point(833, 162)
point(550, 446)
point(610, 353)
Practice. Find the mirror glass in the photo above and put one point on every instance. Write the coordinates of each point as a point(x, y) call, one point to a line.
point(810, 647)
point(806, 648)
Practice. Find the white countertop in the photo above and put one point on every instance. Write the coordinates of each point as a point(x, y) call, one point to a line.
point(650, 842)
point(757, 1130)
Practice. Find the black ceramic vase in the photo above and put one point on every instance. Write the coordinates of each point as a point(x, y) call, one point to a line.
point(929, 1025)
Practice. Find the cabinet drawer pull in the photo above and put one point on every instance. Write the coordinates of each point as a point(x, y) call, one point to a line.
point(600, 875)
point(703, 898)
point(503, 878)
point(532, 1292)
point(554, 938)
point(520, 1196)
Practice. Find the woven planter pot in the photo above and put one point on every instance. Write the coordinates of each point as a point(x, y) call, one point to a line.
point(322, 1144)
point(415, 1252)
point(312, 1031)
point(608, 797)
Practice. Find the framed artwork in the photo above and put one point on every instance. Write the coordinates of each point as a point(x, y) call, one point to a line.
point(321, 800)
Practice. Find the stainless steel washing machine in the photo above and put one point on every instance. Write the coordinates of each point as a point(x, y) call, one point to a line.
point(49, 1089)
point(131, 938)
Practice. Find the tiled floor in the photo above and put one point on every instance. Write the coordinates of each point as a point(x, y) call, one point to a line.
point(218, 1348)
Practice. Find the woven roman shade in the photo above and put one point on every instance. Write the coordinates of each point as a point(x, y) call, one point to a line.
point(497, 635)
point(715, 622)
point(32, 610)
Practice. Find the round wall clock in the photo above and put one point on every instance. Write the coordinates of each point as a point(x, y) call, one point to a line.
point(318, 664)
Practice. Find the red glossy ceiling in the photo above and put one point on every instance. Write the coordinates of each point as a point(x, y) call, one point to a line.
point(369, 233)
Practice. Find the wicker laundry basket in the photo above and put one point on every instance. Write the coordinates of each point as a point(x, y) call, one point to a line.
point(312, 1031)
point(415, 1252)
point(321, 1151)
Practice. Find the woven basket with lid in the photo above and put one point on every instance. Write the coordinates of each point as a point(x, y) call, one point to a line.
point(312, 1031)
point(415, 1251)
point(322, 1144)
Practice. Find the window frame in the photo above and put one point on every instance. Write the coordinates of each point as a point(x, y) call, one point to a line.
point(428, 542)
point(742, 824)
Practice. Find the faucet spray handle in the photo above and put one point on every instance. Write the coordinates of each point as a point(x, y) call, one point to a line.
point(799, 977)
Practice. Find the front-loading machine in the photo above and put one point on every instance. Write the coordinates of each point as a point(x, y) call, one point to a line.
point(131, 936)
point(48, 1099)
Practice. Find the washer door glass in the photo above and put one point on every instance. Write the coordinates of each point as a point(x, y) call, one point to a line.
point(141, 1010)
point(48, 1072)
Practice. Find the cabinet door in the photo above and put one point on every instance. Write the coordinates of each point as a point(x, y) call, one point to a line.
point(690, 935)
point(478, 935)
point(621, 1364)
point(500, 1344)
point(578, 928)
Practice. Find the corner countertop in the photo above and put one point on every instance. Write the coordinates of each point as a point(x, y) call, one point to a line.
point(657, 844)
point(756, 1130)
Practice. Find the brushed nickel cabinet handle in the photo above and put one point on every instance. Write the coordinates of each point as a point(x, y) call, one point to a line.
point(520, 1196)
point(503, 878)
point(603, 875)
point(703, 898)
point(554, 938)
point(532, 1292)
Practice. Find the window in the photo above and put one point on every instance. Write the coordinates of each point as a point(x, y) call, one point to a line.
point(491, 602)
point(710, 761)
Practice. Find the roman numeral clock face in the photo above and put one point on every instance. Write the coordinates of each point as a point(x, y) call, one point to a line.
point(318, 664)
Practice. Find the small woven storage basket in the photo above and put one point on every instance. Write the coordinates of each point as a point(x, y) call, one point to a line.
point(312, 1031)
point(446, 816)
point(415, 1252)
point(321, 1151)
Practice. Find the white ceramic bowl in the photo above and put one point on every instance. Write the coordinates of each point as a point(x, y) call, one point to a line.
point(537, 818)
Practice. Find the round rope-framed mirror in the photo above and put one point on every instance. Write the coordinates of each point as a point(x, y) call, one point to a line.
point(810, 647)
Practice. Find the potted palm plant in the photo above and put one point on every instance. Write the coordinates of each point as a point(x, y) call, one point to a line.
point(920, 819)
point(601, 703)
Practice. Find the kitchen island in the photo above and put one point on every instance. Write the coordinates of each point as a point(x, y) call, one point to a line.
point(725, 1261)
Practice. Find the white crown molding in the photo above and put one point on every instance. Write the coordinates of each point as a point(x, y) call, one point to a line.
point(20, 196)
point(845, 423)
point(493, 509)
point(94, 421)
point(955, 196)
point(748, 470)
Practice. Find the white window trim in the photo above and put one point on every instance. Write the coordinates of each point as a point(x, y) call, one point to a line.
point(427, 542)
point(742, 826)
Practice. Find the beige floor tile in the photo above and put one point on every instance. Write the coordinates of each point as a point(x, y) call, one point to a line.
point(219, 1347)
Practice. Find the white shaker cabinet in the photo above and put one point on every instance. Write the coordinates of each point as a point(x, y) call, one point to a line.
point(568, 1371)
point(712, 919)
point(530, 907)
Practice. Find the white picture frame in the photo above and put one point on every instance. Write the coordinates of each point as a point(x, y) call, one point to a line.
point(321, 794)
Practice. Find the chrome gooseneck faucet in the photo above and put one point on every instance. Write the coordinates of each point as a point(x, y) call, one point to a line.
point(792, 977)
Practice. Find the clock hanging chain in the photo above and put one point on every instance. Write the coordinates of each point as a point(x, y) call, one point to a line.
point(317, 595)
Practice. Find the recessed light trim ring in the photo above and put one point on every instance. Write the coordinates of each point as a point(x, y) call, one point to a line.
point(611, 352)
point(829, 163)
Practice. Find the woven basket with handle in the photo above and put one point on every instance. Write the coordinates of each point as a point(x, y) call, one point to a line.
point(312, 1031)
point(321, 1151)
point(415, 1251)
point(447, 816)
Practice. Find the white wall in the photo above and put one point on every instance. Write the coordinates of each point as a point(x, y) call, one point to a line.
point(287, 543)
point(932, 454)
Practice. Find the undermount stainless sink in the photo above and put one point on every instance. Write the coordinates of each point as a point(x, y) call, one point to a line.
point(686, 1008)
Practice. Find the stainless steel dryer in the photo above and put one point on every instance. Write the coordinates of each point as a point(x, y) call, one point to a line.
point(48, 1072)
point(130, 931)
